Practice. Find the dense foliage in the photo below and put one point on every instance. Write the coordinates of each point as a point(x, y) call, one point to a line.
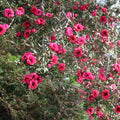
point(60, 60)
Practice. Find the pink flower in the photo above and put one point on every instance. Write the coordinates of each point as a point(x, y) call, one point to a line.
point(26, 24)
point(79, 73)
point(116, 19)
point(103, 19)
point(118, 42)
point(49, 15)
point(53, 38)
point(88, 75)
point(38, 12)
point(80, 80)
point(87, 6)
point(78, 52)
point(77, 3)
point(104, 39)
point(18, 34)
point(40, 21)
point(104, 33)
point(35, 76)
point(82, 7)
point(33, 9)
point(111, 19)
point(117, 67)
point(87, 37)
point(54, 60)
point(27, 79)
point(33, 30)
point(27, 33)
point(39, 79)
point(78, 27)
point(72, 38)
point(6, 26)
point(91, 117)
point(24, 57)
point(95, 93)
point(105, 10)
point(69, 31)
point(32, 80)
point(90, 110)
point(112, 25)
point(75, 15)
point(94, 13)
point(9, 13)
point(102, 76)
point(113, 87)
point(2, 29)
point(105, 94)
point(53, 46)
point(90, 98)
point(58, 2)
point(20, 11)
point(61, 67)
point(29, 58)
point(33, 84)
point(69, 14)
point(97, 7)
point(75, 7)
point(117, 109)
point(81, 41)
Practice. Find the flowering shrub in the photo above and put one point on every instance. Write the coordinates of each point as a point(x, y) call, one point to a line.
point(71, 49)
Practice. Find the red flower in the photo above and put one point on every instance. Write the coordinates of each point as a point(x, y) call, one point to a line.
point(33, 9)
point(53, 46)
point(103, 19)
point(61, 67)
point(91, 97)
point(29, 58)
point(72, 38)
point(81, 41)
point(94, 13)
point(82, 7)
point(49, 15)
point(69, 31)
point(105, 94)
point(2, 29)
point(40, 21)
point(26, 24)
point(117, 67)
point(95, 93)
point(18, 34)
point(27, 33)
point(80, 80)
point(9, 13)
point(90, 110)
point(33, 84)
point(117, 109)
point(78, 52)
point(87, 6)
point(104, 32)
point(53, 37)
point(102, 76)
point(38, 12)
point(20, 11)
point(54, 60)
point(88, 75)
point(78, 27)
point(26, 79)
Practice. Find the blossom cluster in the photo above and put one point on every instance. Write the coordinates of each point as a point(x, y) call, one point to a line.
point(32, 80)
point(87, 43)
